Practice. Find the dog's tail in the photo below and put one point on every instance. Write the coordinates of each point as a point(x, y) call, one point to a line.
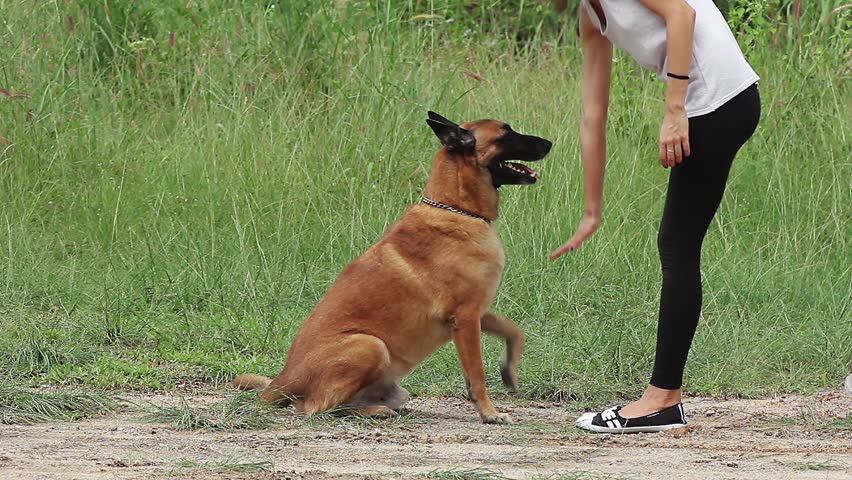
point(250, 381)
point(253, 381)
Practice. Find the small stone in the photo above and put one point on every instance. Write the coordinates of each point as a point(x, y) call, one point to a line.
point(848, 384)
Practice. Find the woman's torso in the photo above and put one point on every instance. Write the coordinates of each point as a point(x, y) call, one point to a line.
point(718, 69)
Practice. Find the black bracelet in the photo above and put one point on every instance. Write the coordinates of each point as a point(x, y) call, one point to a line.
point(679, 77)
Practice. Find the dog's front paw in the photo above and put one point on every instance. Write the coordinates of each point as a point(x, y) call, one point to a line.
point(497, 418)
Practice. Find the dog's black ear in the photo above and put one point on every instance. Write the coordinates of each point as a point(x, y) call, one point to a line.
point(439, 118)
point(453, 137)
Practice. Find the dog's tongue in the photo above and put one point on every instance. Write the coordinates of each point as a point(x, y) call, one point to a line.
point(525, 169)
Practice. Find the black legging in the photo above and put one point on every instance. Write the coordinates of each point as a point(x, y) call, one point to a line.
point(695, 191)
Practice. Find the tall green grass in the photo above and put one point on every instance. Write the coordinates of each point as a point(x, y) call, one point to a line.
point(20, 405)
point(180, 183)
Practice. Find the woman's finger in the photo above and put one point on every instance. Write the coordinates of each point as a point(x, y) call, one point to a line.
point(567, 246)
point(662, 154)
point(686, 150)
point(581, 234)
point(678, 153)
point(670, 155)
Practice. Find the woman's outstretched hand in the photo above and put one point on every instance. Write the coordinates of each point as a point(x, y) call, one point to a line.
point(587, 227)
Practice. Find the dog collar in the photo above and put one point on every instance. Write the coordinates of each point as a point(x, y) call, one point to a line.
point(433, 203)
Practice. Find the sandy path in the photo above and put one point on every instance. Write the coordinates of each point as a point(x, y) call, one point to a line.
point(725, 439)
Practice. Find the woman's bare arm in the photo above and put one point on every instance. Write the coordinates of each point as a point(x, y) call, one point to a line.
point(597, 70)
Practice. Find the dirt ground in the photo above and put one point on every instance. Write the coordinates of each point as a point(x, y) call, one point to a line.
point(789, 437)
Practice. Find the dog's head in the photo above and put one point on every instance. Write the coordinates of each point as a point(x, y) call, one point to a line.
point(491, 144)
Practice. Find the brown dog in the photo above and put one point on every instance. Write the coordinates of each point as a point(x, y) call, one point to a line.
point(431, 278)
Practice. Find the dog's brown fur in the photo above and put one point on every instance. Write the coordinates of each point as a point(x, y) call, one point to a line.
point(430, 279)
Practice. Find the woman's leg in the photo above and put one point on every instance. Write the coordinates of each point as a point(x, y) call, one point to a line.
point(695, 191)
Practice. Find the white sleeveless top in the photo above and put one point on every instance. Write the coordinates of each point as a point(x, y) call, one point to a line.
point(718, 71)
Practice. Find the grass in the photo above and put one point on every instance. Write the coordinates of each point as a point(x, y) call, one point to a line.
point(21, 405)
point(227, 465)
point(581, 475)
point(808, 419)
point(242, 412)
point(339, 416)
point(490, 474)
point(180, 183)
point(465, 474)
point(816, 466)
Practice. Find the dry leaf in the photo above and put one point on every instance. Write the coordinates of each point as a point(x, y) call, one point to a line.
point(14, 95)
point(427, 16)
point(475, 76)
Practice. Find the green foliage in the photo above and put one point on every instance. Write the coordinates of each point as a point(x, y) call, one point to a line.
point(752, 20)
point(792, 21)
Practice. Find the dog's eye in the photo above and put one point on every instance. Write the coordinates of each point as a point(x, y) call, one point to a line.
point(507, 127)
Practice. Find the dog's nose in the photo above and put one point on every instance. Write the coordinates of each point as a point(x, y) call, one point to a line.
point(545, 146)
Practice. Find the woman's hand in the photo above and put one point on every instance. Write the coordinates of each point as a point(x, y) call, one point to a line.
point(674, 137)
point(680, 27)
point(587, 227)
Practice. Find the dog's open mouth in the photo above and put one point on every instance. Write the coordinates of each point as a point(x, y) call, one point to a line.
point(522, 169)
point(504, 173)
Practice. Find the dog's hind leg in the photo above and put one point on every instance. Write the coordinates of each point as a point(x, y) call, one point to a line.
point(498, 325)
point(354, 363)
point(379, 400)
point(376, 399)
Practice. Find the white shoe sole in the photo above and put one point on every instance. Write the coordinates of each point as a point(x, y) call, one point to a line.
point(585, 422)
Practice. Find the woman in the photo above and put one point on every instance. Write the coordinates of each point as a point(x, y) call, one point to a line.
point(712, 109)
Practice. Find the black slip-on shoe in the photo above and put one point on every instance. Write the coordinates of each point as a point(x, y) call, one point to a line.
point(609, 421)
